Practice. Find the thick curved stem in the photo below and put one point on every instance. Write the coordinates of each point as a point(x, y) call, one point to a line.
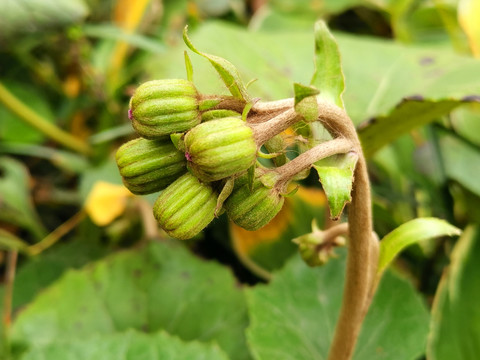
point(363, 247)
point(361, 258)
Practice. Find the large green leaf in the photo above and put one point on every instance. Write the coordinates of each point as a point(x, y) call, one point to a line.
point(30, 16)
point(456, 315)
point(40, 271)
point(312, 10)
point(131, 345)
point(407, 115)
point(410, 233)
point(16, 206)
point(385, 81)
point(461, 161)
point(294, 316)
point(161, 286)
point(466, 122)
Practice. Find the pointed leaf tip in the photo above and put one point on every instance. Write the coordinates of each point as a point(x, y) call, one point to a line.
point(328, 75)
point(336, 175)
point(227, 71)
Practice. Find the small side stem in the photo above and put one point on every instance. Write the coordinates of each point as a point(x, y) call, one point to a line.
point(309, 157)
point(11, 267)
point(272, 106)
point(150, 225)
point(32, 118)
point(335, 231)
point(56, 234)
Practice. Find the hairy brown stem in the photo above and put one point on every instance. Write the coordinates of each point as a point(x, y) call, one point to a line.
point(306, 159)
point(363, 247)
point(337, 230)
point(266, 130)
point(271, 106)
point(361, 258)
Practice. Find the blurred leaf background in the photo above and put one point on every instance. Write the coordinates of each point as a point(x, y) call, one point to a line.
point(90, 264)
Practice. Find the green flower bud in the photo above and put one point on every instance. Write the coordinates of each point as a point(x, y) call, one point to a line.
point(148, 166)
point(220, 148)
point(314, 250)
point(161, 107)
point(186, 207)
point(253, 209)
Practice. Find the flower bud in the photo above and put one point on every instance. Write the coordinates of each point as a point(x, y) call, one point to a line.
point(161, 107)
point(220, 148)
point(185, 207)
point(148, 166)
point(314, 249)
point(253, 209)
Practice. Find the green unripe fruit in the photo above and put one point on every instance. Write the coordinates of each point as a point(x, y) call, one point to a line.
point(220, 148)
point(148, 166)
point(185, 207)
point(253, 209)
point(162, 107)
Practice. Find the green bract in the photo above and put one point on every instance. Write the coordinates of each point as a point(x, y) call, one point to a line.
point(161, 107)
point(186, 207)
point(220, 148)
point(253, 209)
point(148, 166)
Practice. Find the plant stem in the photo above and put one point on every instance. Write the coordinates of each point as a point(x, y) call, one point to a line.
point(309, 157)
point(272, 106)
point(56, 234)
point(361, 258)
point(150, 225)
point(266, 130)
point(337, 230)
point(363, 247)
point(32, 118)
point(8, 298)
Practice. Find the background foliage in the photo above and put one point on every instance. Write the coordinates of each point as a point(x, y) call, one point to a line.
point(94, 275)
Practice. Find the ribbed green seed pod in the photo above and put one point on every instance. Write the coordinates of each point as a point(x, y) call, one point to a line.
point(148, 166)
point(162, 107)
point(254, 209)
point(185, 207)
point(220, 148)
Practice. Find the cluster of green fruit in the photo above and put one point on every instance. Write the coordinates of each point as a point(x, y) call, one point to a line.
point(200, 154)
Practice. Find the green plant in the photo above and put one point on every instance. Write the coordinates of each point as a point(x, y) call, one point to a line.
point(90, 274)
point(225, 149)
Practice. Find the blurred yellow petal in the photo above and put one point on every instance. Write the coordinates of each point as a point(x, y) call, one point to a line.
point(127, 15)
point(469, 19)
point(106, 202)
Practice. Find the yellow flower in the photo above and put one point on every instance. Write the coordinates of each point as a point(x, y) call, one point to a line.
point(106, 202)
